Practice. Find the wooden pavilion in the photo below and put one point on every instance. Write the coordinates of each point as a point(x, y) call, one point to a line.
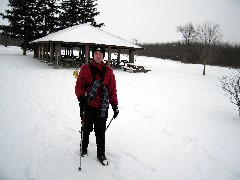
point(81, 38)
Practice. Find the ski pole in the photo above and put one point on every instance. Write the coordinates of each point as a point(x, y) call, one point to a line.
point(82, 129)
point(109, 123)
point(80, 167)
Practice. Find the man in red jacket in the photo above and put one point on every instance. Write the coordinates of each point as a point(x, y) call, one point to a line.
point(95, 89)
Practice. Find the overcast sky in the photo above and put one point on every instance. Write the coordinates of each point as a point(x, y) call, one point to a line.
point(157, 20)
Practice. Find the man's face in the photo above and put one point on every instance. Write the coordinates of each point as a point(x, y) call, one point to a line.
point(98, 56)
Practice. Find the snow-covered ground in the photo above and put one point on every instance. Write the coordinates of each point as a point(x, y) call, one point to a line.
point(174, 124)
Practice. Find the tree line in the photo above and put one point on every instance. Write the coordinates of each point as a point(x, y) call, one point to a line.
point(227, 54)
point(201, 44)
point(30, 20)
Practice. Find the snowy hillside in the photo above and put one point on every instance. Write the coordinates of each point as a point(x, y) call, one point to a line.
point(174, 124)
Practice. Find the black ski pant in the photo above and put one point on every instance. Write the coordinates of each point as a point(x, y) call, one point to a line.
point(91, 118)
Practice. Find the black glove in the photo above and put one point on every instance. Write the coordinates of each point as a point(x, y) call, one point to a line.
point(82, 102)
point(115, 111)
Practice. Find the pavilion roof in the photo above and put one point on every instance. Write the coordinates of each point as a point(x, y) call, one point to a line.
point(86, 34)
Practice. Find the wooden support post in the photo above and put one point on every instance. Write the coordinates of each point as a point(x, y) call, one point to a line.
point(37, 47)
point(51, 54)
point(109, 55)
point(46, 52)
point(131, 55)
point(39, 51)
point(87, 49)
point(72, 51)
point(35, 50)
point(119, 53)
point(42, 52)
point(57, 55)
point(79, 52)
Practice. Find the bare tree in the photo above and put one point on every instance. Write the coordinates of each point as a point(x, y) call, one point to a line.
point(210, 35)
point(135, 41)
point(231, 86)
point(188, 32)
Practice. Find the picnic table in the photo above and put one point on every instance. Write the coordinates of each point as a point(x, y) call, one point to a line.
point(70, 60)
point(135, 68)
point(115, 64)
point(124, 62)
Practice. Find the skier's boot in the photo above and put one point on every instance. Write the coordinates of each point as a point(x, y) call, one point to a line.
point(85, 143)
point(103, 160)
point(100, 138)
point(84, 152)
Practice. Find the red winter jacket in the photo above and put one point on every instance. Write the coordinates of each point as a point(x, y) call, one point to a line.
point(85, 81)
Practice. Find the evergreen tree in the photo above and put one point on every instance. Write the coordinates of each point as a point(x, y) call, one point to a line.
point(29, 20)
point(70, 14)
point(21, 19)
point(46, 17)
point(78, 12)
point(89, 11)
